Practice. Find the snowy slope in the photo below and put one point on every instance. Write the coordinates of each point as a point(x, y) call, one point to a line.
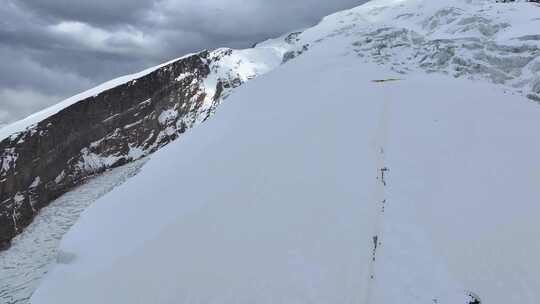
point(348, 175)
point(462, 191)
point(286, 209)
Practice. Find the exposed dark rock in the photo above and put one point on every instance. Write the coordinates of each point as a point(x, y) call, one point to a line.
point(534, 97)
point(293, 54)
point(475, 299)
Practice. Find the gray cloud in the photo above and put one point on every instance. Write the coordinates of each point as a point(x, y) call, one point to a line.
point(21, 103)
point(50, 50)
point(94, 11)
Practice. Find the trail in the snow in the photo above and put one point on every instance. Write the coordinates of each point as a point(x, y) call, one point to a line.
point(32, 252)
point(380, 143)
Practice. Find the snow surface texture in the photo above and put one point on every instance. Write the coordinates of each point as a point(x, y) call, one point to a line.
point(330, 180)
point(32, 253)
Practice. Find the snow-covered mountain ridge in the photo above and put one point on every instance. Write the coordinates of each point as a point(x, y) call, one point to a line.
point(136, 115)
point(338, 178)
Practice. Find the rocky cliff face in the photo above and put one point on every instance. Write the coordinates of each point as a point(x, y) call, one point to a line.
point(113, 128)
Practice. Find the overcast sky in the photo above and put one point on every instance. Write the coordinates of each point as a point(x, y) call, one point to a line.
point(52, 49)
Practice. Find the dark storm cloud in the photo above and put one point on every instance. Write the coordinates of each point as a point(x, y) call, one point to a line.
point(50, 49)
point(91, 11)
